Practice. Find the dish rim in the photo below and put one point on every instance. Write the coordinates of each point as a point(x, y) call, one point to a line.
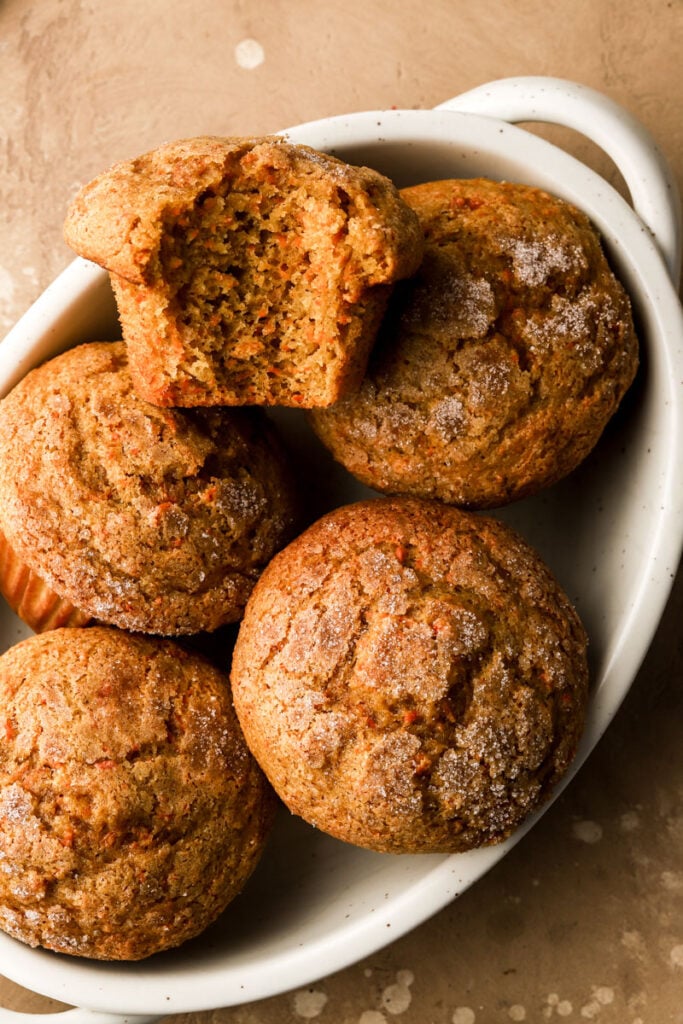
point(644, 273)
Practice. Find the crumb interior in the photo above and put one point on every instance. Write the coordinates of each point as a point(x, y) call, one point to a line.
point(257, 277)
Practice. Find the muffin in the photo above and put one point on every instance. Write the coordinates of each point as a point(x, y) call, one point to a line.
point(131, 811)
point(411, 677)
point(149, 519)
point(246, 270)
point(500, 363)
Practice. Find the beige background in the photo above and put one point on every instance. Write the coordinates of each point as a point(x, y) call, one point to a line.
point(583, 921)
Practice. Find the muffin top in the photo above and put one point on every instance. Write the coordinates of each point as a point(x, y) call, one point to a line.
point(500, 362)
point(131, 810)
point(120, 218)
point(246, 270)
point(411, 677)
point(148, 519)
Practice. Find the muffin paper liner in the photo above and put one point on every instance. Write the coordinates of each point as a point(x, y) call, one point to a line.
point(31, 598)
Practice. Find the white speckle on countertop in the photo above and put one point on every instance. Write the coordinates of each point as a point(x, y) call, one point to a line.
point(7, 286)
point(249, 54)
point(630, 821)
point(672, 880)
point(396, 998)
point(553, 1004)
point(587, 831)
point(676, 956)
point(463, 1015)
point(309, 1003)
point(602, 995)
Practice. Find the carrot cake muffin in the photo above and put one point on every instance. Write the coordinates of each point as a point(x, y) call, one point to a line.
point(246, 270)
point(411, 677)
point(131, 811)
point(150, 519)
point(500, 362)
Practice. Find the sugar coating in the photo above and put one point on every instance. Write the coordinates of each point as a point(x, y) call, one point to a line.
point(499, 363)
point(424, 690)
point(131, 811)
point(145, 518)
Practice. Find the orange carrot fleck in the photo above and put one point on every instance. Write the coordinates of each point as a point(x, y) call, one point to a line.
point(67, 837)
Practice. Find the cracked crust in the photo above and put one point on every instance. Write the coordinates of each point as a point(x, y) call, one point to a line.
point(500, 363)
point(246, 270)
point(147, 519)
point(410, 677)
point(131, 811)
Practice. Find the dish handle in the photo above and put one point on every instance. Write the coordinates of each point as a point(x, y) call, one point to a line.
point(75, 1016)
point(653, 188)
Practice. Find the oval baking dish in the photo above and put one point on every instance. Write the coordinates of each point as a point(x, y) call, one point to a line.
point(612, 534)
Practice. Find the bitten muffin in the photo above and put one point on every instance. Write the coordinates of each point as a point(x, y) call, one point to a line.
point(246, 270)
point(150, 519)
point(131, 811)
point(500, 363)
point(411, 677)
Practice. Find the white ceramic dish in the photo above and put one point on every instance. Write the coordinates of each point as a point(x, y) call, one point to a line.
point(612, 533)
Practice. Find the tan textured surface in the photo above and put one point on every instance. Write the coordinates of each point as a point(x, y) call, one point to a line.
point(582, 921)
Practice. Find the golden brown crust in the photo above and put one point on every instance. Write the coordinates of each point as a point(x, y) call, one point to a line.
point(117, 219)
point(500, 363)
point(131, 811)
point(246, 270)
point(410, 677)
point(148, 519)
